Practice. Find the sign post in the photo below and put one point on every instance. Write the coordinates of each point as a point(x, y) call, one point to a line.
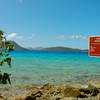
point(94, 46)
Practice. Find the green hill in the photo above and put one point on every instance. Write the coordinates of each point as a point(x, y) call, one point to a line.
point(62, 49)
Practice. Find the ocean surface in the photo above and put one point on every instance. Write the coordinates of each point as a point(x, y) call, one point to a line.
point(60, 68)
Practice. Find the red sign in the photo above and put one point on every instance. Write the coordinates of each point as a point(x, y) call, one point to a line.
point(94, 46)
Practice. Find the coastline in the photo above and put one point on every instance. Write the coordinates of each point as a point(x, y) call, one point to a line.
point(51, 92)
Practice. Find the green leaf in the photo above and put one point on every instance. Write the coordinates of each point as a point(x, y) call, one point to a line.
point(2, 62)
point(1, 53)
point(7, 55)
point(2, 38)
point(6, 78)
point(8, 60)
point(1, 32)
point(6, 47)
point(9, 46)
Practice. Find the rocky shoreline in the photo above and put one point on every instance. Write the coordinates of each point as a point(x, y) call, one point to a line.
point(52, 92)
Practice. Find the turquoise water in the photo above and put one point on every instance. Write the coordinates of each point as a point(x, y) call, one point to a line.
point(60, 68)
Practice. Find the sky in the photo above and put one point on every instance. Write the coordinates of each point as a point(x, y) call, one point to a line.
point(46, 23)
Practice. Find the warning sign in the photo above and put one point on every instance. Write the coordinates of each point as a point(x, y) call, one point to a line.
point(94, 46)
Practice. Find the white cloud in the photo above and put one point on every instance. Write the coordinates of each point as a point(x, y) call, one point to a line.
point(16, 36)
point(20, 37)
point(61, 37)
point(11, 36)
point(76, 36)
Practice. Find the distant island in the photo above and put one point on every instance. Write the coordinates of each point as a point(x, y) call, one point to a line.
point(59, 48)
point(62, 49)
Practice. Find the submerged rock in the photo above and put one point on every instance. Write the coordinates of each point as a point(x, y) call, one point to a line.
point(19, 99)
point(47, 86)
point(2, 97)
point(30, 98)
point(37, 93)
point(71, 92)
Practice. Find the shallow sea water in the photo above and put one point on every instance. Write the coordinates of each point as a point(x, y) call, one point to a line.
point(59, 68)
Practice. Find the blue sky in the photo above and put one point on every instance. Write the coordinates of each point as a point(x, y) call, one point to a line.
point(33, 23)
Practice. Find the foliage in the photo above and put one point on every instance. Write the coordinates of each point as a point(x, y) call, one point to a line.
point(5, 48)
